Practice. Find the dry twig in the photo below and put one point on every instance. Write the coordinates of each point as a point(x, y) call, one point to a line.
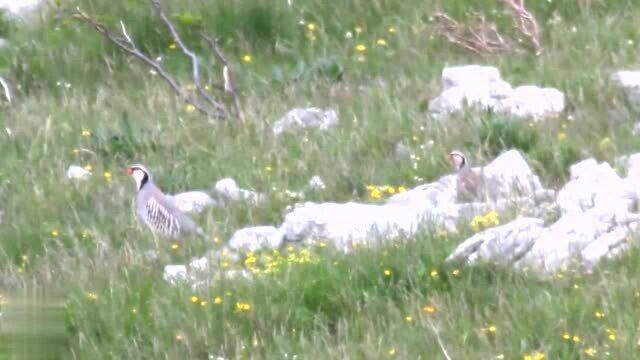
point(478, 36)
point(524, 21)
point(6, 89)
point(481, 36)
point(202, 100)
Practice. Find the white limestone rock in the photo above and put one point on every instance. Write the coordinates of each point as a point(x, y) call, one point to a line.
point(193, 201)
point(316, 183)
point(306, 118)
point(76, 172)
point(531, 101)
point(485, 95)
point(505, 244)
point(629, 82)
point(453, 76)
point(594, 185)
point(174, 274)
point(577, 235)
point(19, 8)
point(346, 224)
point(227, 189)
point(256, 237)
point(481, 87)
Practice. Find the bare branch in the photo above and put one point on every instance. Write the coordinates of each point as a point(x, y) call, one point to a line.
point(524, 21)
point(478, 36)
point(226, 74)
point(210, 107)
point(6, 88)
point(195, 62)
point(442, 348)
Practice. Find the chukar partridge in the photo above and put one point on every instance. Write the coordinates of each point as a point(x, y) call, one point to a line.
point(157, 210)
point(470, 183)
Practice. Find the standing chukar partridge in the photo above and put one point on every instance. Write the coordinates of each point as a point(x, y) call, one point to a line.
point(470, 183)
point(159, 211)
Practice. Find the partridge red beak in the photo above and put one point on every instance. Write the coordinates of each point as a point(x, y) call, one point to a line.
point(128, 170)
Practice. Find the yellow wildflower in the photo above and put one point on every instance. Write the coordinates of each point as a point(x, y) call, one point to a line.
point(591, 352)
point(175, 246)
point(247, 58)
point(401, 189)
point(575, 338)
point(242, 306)
point(92, 296)
point(86, 133)
point(194, 299)
point(268, 168)
point(433, 273)
point(172, 46)
point(134, 311)
point(190, 108)
point(566, 336)
point(429, 309)
point(391, 352)
point(535, 356)
point(217, 300)
point(490, 329)
point(381, 42)
point(612, 337)
point(408, 318)
point(361, 48)
point(358, 29)
point(599, 314)
point(88, 167)
point(455, 272)
point(311, 26)
point(562, 136)
point(85, 234)
point(375, 194)
point(54, 233)
point(107, 175)
point(76, 151)
point(391, 190)
point(203, 303)
point(391, 29)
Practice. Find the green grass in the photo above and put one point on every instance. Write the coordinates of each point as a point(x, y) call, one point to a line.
point(342, 306)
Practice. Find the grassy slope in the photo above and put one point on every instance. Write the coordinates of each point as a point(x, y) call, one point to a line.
point(341, 306)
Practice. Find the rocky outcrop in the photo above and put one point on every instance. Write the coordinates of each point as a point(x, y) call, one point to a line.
point(481, 86)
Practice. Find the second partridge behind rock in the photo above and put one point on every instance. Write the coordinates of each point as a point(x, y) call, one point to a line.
point(470, 183)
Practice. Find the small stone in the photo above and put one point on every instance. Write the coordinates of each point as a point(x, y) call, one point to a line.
point(256, 237)
point(306, 118)
point(193, 201)
point(175, 273)
point(77, 172)
point(316, 183)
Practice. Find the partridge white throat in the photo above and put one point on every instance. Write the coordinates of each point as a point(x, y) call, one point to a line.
point(157, 210)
